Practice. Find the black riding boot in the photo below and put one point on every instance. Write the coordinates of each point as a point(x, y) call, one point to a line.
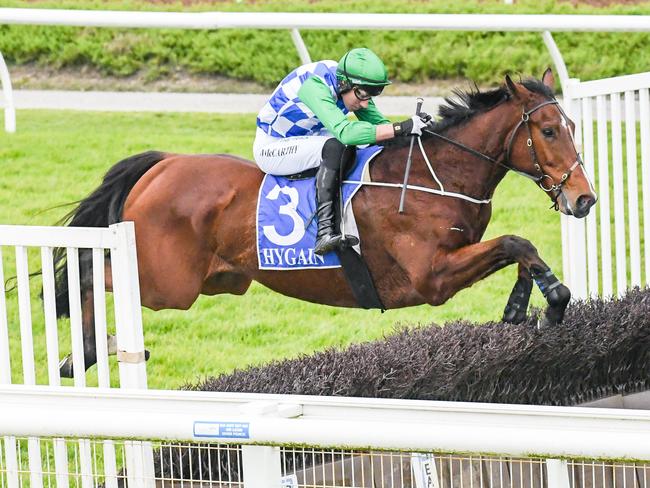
point(327, 187)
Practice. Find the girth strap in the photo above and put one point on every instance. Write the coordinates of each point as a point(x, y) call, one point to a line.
point(359, 278)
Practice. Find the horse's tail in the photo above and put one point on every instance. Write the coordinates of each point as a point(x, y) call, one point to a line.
point(101, 208)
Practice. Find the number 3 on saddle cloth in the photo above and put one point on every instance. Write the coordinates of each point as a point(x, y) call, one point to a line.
point(286, 224)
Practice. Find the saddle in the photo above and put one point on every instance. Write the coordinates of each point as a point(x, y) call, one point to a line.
point(270, 257)
point(348, 159)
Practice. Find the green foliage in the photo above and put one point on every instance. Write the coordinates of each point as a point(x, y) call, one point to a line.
point(266, 56)
point(57, 157)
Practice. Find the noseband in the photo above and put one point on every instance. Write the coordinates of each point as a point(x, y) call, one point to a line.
point(553, 187)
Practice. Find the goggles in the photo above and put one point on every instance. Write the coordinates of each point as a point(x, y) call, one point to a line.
point(366, 92)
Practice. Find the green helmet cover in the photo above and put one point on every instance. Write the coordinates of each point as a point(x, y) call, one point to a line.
point(361, 66)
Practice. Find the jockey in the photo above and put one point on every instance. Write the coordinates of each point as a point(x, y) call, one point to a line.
point(304, 125)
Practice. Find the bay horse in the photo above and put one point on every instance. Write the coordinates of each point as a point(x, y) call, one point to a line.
point(195, 214)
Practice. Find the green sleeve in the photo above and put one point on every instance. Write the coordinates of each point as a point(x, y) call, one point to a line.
point(317, 96)
point(371, 114)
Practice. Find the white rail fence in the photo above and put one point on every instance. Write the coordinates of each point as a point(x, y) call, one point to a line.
point(227, 429)
point(610, 251)
point(294, 21)
point(30, 340)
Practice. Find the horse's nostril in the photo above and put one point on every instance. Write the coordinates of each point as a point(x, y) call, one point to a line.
point(585, 202)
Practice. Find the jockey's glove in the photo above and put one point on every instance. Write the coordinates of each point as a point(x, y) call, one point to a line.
point(412, 126)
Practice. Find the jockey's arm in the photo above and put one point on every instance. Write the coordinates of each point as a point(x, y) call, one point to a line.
point(317, 96)
point(383, 127)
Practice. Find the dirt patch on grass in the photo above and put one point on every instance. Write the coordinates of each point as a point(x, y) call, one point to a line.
point(32, 77)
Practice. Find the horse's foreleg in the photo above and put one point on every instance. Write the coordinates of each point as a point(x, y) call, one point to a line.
point(517, 306)
point(452, 271)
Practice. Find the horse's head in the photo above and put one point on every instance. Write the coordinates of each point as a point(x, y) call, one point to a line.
point(541, 146)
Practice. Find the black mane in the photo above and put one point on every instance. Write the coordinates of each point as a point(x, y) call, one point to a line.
point(465, 104)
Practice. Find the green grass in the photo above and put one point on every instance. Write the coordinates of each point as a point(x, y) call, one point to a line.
point(59, 156)
point(266, 56)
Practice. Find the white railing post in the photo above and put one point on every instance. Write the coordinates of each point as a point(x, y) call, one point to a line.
point(10, 456)
point(10, 110)
point(644, 127)
point(128, 315)
point(574, 250)
point(305, 58)
point(261, 466)
point(557, 473)
point(558, 60)
point(130, 343)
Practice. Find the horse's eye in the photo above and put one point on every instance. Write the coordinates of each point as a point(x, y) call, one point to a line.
point(548, 132)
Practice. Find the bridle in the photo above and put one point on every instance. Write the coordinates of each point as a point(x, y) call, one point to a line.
point(525, 117)
point(507, 164)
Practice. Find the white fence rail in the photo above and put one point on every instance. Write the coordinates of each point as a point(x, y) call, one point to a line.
point(511, 430)
point(336, 21)
point(226, 428)
point(294, 21)
point(610, 251)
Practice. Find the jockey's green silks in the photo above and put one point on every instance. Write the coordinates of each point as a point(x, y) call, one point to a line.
point(318, 98)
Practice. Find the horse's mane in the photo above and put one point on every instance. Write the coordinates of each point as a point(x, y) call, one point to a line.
point(465, 104)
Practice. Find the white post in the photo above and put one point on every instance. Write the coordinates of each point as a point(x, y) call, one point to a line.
point(591, 224)
point(128, 315)
point(11, 459)
point(558, 473)
point(558, 60)
point(300, 46)
point(261, 466)
point(130, 343)
point(10, 111)
point(574, 232)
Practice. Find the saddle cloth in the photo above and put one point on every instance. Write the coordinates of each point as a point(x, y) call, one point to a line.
point(285, 234)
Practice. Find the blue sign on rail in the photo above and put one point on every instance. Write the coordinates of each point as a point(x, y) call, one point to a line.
point(222, 430)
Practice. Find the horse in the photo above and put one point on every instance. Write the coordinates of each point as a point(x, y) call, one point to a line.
point(195, 215)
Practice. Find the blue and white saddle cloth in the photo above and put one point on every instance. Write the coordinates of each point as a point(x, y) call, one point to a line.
point(285, 207)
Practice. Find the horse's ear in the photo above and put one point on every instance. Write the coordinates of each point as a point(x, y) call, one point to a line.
point(549, 79)
point(515, 91)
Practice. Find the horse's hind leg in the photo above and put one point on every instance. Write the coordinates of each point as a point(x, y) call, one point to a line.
point(90, 344)
point(89, 339)
point(88, 320)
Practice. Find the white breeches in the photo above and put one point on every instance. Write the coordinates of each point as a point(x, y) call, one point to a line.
point(289, 155)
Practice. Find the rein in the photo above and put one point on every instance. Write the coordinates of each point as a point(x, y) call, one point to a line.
point(539, 180)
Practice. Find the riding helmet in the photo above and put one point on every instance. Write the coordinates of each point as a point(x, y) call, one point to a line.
point(361, 67)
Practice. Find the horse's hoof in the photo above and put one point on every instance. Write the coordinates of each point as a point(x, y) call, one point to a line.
point(558, 300)
point(513, 315)
point(146, 354)
point(65, 367)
